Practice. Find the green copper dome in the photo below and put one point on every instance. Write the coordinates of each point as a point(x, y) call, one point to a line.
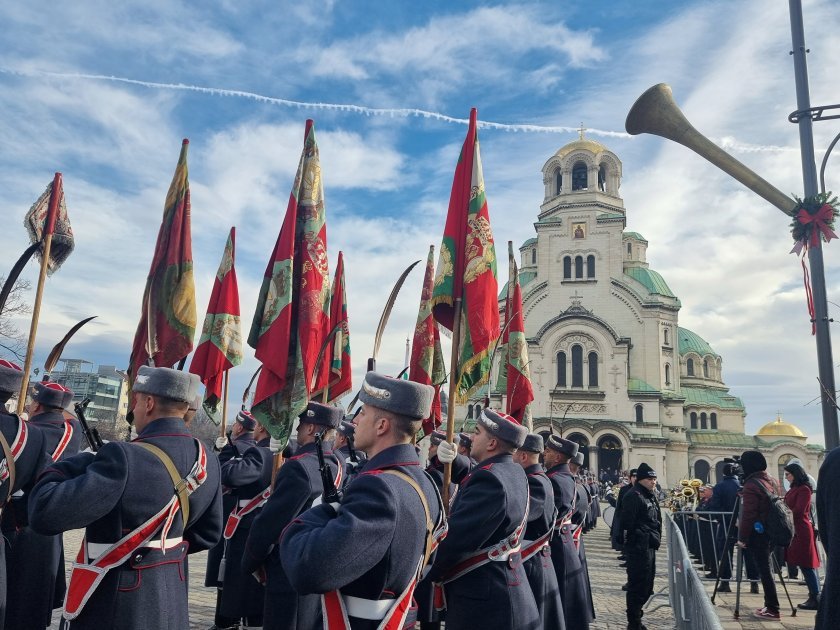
point(692, 342)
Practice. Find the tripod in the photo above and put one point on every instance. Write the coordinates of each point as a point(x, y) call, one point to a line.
point(729, 542)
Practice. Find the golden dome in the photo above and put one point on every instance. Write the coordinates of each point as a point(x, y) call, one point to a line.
point(584, 144)
point(780, 428)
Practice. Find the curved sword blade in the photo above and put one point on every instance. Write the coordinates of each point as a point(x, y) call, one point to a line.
point(55, 353)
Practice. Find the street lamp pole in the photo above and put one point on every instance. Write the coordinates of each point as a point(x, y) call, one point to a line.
point(825, 361)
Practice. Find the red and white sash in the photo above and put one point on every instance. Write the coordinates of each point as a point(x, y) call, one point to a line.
point(16, 447)
point(391, 613)
point(238, 513)
point(87, 573)
point(64, 441)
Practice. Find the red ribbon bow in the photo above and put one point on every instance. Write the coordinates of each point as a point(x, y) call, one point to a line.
point(820, 219)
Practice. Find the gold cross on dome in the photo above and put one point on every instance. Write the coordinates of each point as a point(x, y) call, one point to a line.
point(581, 130)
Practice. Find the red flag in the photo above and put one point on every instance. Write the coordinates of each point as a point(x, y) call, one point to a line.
point(426, 365)
point(167, 319)
point(220, 346)
point(467, 269)
point(292, 320)
point(520, 393)
point(48, 215)
point(341, 380)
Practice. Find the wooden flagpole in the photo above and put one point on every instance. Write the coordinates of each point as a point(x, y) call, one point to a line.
point(49, 228)
point(223, 423)
point(453, 388)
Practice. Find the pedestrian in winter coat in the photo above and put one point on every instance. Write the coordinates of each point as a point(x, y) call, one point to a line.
point(802, 551)
point(755, 506)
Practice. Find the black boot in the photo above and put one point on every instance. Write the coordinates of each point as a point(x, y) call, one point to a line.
point(812, 603)
point(724, 587)
point(754, 588)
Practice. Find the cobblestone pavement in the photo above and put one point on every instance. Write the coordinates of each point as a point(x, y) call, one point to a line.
point(604, 573)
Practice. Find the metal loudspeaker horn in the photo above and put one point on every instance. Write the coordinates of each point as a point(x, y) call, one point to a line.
point(656, 112)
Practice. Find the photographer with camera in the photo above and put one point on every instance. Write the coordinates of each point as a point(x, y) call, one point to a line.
point(755, 507)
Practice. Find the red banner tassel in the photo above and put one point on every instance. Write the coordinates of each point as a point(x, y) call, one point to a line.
point(809, 294)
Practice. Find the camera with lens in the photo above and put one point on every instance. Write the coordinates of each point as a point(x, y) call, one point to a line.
point(734, 464)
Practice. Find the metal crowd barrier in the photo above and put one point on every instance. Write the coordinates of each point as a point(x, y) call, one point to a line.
point(693, 610)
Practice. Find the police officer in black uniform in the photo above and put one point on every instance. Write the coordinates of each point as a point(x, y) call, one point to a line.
point(138, 530)
point(22, 459)
point(641, 532)
point(297, 485)
point(366, 553)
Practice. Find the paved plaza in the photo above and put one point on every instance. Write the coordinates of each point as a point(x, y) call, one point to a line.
point(606, 578)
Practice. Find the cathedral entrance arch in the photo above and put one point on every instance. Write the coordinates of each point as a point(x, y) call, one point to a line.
point(610, 457)
point(719, 471)
point(583, 443)
point(701, 470)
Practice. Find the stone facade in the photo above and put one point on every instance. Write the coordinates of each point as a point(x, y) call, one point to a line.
point(610, 365)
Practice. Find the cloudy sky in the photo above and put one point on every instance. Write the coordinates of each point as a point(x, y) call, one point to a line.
point(105, 91)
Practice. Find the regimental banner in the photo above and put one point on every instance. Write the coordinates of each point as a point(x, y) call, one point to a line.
point(36, 223)
point(467, 270)
point(167, 320)
point(220, 346)
point(292, 319)
point(341, 378)
point(426, 364)
point(520, 392)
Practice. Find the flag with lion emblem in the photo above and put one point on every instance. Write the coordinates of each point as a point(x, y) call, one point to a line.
point(220, 346)
point(467, 270)
point(292, 319)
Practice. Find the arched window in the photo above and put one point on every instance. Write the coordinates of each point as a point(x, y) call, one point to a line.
point(578, 266)
point(689, 367)
point(577, 366)
point(470, 410)
point(534, 256)
point(602, 178)
point(567, 267)
point(705, 368)
point(558, 182)
point(693, 419)
point(667, 374)
point(667, 336)
point(640, 414)
point(701, 470)
point(593, 369)
point(561, 369)
point(713, 419)
point(629, 250)
point(590, 266)
point(579, 176)
point(703, 421)
point(477, 412)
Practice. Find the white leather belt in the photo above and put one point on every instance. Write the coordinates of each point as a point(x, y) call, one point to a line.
point(18, 494)
point(97, 549)
point(244, 502)
point(373, 609)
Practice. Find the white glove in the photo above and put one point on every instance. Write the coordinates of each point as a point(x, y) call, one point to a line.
point(446, 452)
point(335, 506)
point(275, 445)
point(221, 442)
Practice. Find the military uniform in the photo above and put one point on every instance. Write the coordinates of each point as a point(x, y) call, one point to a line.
point(479, 560)
point(580, 518)
point(366, 555)
point(353, 458)
point(297, 485)
point(536, 550)
point(641, 525)
point(25, 443)
point(564, 552)
point(35, 559)
point(249, 479)
point(232, 449)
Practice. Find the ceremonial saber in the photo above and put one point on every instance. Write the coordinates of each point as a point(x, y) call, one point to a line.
point(383, 321)
point(55, 354)
point(15, 272)
point(49, 228)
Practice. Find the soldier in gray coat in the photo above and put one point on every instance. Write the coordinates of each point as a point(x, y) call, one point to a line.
point(130, 572)
point(21, 461)
point(34, 558)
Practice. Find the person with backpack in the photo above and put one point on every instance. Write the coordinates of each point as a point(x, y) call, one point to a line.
point(752, 525)
point(803, 548)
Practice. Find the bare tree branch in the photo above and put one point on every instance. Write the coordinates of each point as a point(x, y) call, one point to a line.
point(13, 339)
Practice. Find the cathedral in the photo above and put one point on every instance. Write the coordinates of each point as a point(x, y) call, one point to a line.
point(611, 367)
